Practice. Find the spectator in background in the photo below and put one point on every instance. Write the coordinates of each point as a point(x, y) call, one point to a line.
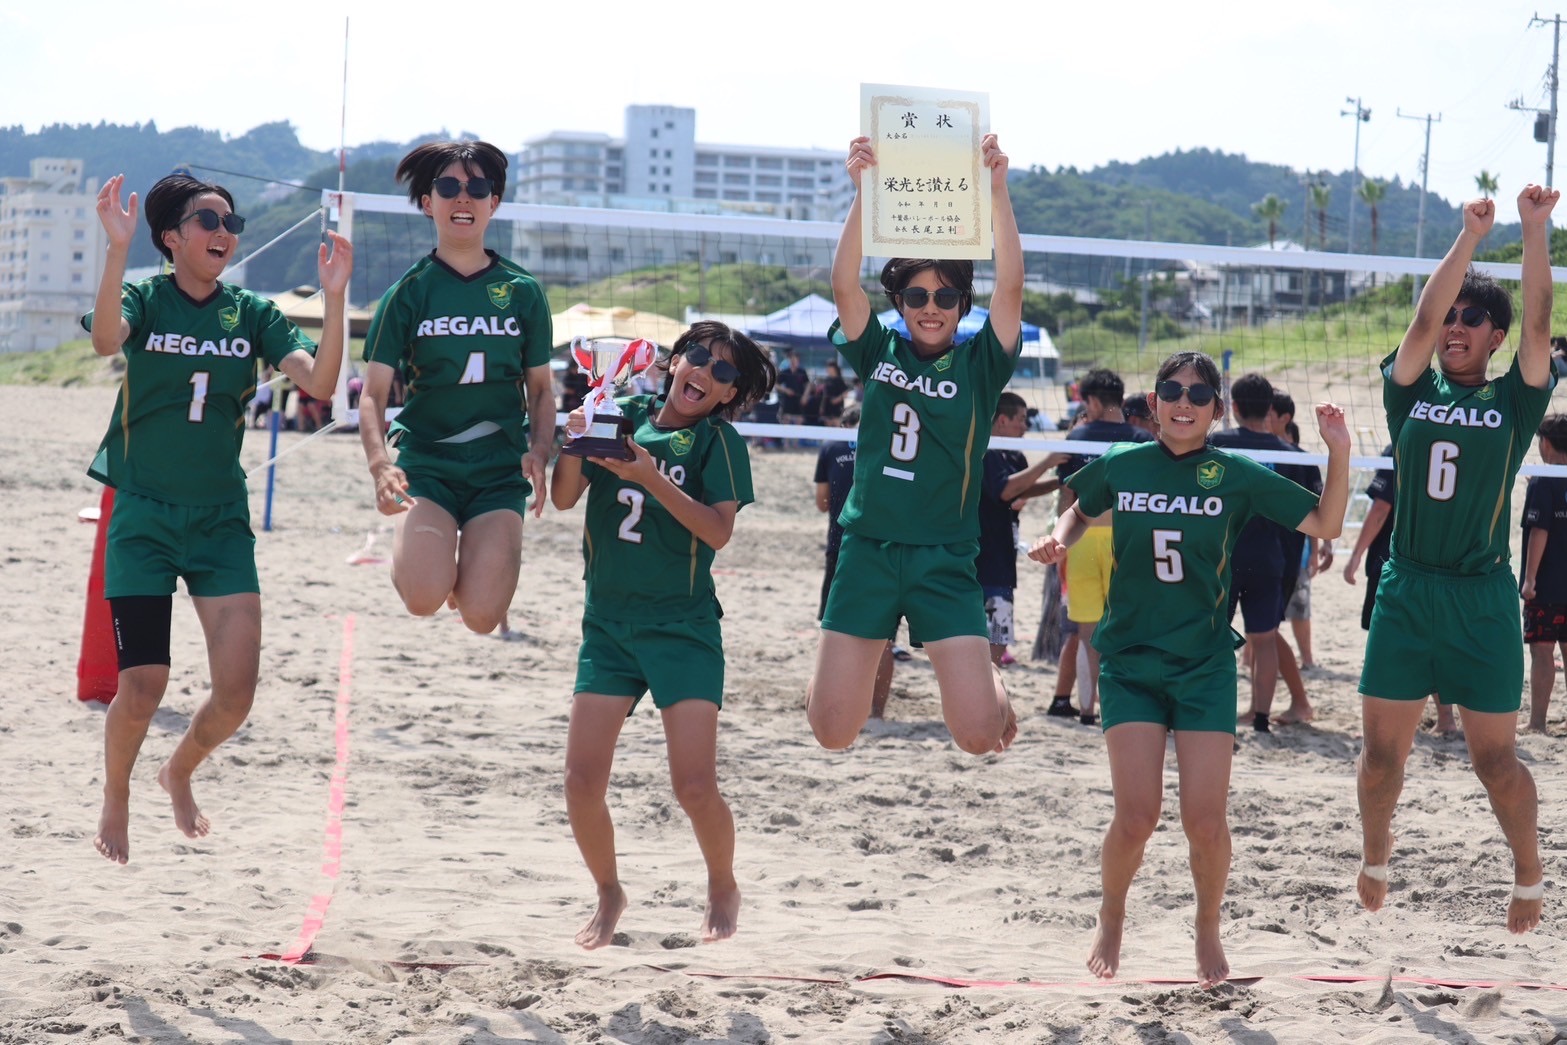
point(1543, 573)
point(835, 391)
point(792, 384)
point(1135, 409)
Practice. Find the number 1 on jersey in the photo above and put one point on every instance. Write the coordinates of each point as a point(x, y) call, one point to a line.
point(198, 396)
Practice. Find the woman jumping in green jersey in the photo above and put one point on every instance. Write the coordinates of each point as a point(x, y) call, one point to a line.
point(192, 347)
point(1167, 649)
point(650, 613)
point(1447, 605)
point(471, 332)
point(911, 526)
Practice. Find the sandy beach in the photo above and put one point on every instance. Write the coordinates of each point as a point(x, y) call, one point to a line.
point(900, 891)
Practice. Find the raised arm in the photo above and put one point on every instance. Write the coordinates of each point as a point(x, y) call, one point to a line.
point(1534, 344)
point(1441, 290)
point(1006, 301)
point(109, 328)
point(317, 375)
point(1326, 520)
point(854, 308)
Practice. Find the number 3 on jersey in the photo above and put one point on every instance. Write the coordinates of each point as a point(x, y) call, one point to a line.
point(906, 438)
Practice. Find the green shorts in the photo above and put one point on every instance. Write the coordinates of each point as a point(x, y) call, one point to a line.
point(879, 582)
point(151, 543)
point(1145, 684)
point(466, 479)
point(1440, 632)
point(677, 660)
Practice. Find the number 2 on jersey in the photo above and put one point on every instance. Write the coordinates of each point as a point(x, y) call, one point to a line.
point(632, 499)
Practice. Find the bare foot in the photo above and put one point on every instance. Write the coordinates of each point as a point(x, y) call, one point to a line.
point(1371, 884)
point(723, 914)
point(1295, 716)
point(1212, 967)
point(1104, 954)
point(1523, 913)
point(1008, 731)
point(187, 817)
point(600, 929)
point(114, 839)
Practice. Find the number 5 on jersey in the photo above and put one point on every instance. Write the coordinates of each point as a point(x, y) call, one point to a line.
point(1167, 565)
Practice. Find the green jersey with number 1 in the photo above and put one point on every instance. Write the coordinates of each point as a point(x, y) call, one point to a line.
point(924, 429)
point(1457, 450)
point(190, 369)
point(1175, 524)
point(642, 564)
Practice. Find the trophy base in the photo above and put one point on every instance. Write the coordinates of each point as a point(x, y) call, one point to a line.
point(604, 438)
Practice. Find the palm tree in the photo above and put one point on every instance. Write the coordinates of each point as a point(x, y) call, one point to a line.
point(1371, 192)
point(1270, 209)
point(1487, 183)
point(1321, 193)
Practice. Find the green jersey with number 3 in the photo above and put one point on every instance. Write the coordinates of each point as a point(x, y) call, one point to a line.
point(924, 429)
point(1457, 450)
point(642, 564)
point(1175, 524)
point(190, 370)
point(464, 343)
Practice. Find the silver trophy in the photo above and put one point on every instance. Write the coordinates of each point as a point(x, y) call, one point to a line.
point(610, 363)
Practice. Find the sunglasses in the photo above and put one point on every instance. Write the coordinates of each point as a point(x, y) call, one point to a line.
point(915, 297)
point(723, 370)
point(210, 220)
point(1198, 394)
point(478, 188)
point(1472, 316)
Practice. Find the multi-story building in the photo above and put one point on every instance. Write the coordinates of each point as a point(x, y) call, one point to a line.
point(658, 165)
point(51, 254)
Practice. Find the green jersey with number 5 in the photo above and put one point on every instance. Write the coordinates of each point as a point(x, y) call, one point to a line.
point(1458, 450)
point(924, 428)
point(641, 563)
point(190, 370)
point(1175, 524)
point(464, 343)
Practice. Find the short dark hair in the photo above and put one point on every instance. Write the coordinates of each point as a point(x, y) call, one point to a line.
point(419, 169)
point(757, 372)
point(1253, 396)
point(1480, 289)
point(1103, 385)
point(1136, 405)
point(1009, 404)
point(1283, 403)
point(957, 273)
point(166, 202)
point(1292, 430)
point(1553, 429)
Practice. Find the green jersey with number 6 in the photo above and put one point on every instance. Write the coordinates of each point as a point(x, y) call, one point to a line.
point(924, 428)
point(1457, 450)
point(642, 564)
point(190, 370)
point(1175, 524)
point(464, 343)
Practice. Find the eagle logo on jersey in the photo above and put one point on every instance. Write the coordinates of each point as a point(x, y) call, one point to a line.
point(500, 294)
point(680, 442)
point(229, 317)
point(944, 363)
point(1488, 392)
point(1210, 474)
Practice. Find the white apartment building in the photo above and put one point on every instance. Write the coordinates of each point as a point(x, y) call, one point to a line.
point(658, 165)
point(51, 254)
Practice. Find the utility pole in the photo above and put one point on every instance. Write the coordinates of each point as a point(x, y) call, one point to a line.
point(1142, 323)
point(1425, 170)
point(1361, 115)
point(1545, 119)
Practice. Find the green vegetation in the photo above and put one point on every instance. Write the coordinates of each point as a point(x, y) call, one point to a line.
point(71, 364)
point(668, 289)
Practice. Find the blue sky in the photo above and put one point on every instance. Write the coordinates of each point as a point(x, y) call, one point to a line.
point(1070, 84)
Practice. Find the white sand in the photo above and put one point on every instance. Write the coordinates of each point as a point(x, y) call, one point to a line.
point(900, 858)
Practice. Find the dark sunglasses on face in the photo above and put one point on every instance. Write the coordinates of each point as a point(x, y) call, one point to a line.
point(210, 220)
point(1472, 315)
point(723, 370)
point(478, 188)
point(1198, 394)
point(915, 297)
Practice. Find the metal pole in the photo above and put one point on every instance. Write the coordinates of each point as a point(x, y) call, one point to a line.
point(1361, 115)
point(1550, 133)
point(1425, 171)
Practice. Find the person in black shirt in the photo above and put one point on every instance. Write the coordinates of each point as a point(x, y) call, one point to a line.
point(1543, 573)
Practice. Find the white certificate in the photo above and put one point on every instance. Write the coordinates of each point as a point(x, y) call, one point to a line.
point(929, 194)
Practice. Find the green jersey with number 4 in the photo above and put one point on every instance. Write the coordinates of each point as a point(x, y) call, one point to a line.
point(924, 428)
point(642, 564)
point(464, 343)
point(190, 370)
point(1175, 524)
point(1457, 450)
